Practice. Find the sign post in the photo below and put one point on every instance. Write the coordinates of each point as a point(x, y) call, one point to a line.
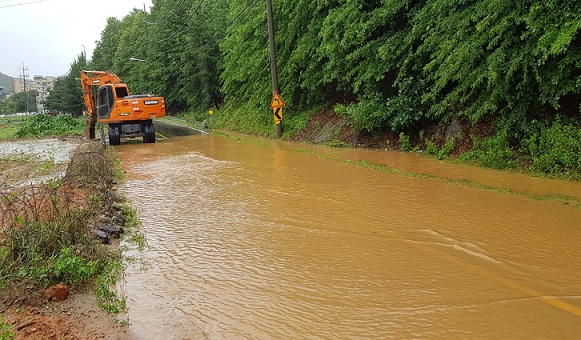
point(273, 72)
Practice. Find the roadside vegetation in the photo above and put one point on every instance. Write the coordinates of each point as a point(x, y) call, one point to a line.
point(40, 125)
point(46, 232)
point(8, 126)
point(47, 228)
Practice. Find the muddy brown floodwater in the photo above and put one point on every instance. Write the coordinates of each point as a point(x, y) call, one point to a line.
point(259, 239)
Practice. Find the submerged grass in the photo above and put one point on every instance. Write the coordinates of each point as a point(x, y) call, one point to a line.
point(563, 199)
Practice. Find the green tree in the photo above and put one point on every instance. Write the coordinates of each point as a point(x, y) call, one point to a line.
point(107, 46)
point(174, 50)
point(67, 94)
point(17, 102)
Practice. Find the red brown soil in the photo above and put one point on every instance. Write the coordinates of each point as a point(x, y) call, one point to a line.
point(77, 318)
point(387, 139)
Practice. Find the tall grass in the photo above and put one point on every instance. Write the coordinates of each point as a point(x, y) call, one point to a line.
point(46, 125)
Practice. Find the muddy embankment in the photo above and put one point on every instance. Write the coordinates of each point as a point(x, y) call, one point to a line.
point(66, 184)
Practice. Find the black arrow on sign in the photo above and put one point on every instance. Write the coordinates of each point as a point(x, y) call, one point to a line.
point(277, 113)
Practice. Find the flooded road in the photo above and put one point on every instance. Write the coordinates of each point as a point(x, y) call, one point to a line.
point(260, 239)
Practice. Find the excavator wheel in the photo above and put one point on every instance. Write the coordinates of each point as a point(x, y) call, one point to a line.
point(149, 136)
point(114, 134)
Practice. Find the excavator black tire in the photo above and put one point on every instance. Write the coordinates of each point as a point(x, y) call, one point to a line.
point(149, 135)
point(114, 134)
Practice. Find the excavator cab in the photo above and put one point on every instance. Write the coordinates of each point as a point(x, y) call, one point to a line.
point(107, 96)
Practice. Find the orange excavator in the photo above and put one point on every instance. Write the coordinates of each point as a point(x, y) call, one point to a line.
point(111, 104)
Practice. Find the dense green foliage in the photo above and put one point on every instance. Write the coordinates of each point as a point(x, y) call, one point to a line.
point(48, 125)
point(395, 65)
point(172, 51)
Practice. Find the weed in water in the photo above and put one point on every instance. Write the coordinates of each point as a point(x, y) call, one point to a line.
point(125, 322)
point(130, 214)
point(107, 298)
point(335, 143)
point(133, 236)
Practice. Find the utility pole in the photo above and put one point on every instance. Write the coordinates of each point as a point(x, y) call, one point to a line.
point(273, 71)
point(24, 75)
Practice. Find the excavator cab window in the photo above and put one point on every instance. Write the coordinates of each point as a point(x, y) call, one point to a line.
point(121, 92)
point(106, 101)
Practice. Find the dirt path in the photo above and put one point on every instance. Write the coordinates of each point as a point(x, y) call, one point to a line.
point(76, 318)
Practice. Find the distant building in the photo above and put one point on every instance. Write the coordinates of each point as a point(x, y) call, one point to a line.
point(41, 84)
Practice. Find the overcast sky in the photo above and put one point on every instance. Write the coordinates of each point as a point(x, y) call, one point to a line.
point(48, 35)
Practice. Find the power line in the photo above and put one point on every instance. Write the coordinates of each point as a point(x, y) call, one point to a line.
point(166, 19)
point(246, 7)
point(136, 30)
point(23, 3)
point(182, 26)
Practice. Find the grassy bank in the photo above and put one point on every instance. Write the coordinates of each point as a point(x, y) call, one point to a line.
point(9, 126)
point(40, 125)
point(550, 148)
point(47, 230)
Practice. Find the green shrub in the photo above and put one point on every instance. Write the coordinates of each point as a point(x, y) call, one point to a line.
point(72, 268)
point(47, 125)
point(446, 149)
point(367, 115)
point(492, 152)
point(431, 148)
point(556, 149)
point(405, 142)
point(107, 298)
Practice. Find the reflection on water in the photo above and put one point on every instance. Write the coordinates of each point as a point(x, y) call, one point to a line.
point(257, 239)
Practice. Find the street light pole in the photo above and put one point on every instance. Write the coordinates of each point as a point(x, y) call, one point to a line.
point(273, 71)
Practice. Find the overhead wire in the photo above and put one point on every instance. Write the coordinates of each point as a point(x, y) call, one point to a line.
point(168, 17)
point(181, 27)
point(228, 25)
point(248, 5)
point(23, 3)
point(136, 30)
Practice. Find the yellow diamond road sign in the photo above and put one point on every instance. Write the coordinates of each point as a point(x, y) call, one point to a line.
point(276, 101)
